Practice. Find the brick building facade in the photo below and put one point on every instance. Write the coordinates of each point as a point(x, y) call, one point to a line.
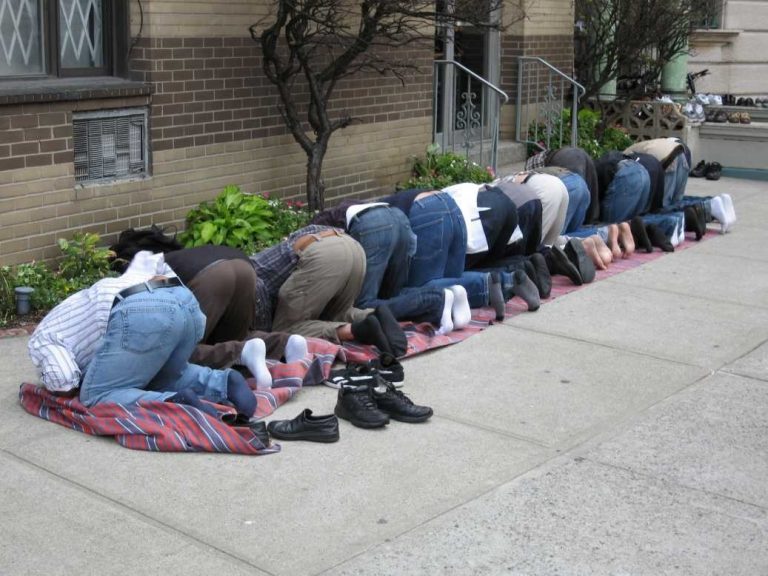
point(212, 121)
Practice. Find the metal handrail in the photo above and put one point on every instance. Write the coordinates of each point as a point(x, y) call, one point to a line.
point(578, 90)
point(476, 76)
point(467, 117)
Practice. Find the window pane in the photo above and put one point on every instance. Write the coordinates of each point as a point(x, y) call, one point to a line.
point(20, 37)
point(80, 26)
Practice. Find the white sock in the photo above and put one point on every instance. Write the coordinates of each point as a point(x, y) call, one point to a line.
point(730, 209)
point(254, 357)
point(295, 348)
point(719, 213)
point(675, 239)
point(460, 311)
point(446, 324)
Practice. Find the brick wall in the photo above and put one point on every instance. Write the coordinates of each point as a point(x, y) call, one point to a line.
point(34, 135)
point(42, 204)
point(213, 90)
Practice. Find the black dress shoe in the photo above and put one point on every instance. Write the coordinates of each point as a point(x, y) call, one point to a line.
point(558, 263)
point(574, 249)
point(258, 427)
point(713, 171)
point(398, 406)
point(698, 170)
point(306, 426)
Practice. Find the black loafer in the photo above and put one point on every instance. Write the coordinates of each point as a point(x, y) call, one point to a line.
point(306, 426)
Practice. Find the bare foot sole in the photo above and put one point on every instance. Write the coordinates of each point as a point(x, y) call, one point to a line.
point(613, 241)
point(602, 248)
point(591, 250)
point(626, 240)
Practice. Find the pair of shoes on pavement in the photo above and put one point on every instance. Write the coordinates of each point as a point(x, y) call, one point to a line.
point(708, 170)
point(371, 401)
point(386, 366)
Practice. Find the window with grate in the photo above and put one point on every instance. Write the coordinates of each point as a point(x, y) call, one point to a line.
point(62, 38)
point(110, 145)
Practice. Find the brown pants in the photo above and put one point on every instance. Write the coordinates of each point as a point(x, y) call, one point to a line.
point(317, 298)
point(226, 292)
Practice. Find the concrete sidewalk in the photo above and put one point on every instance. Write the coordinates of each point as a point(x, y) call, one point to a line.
point(621, 429)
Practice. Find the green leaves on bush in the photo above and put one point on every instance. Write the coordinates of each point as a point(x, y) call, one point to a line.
point(246, 221)
point(588, 135)
point(83, 263)
point(441, 169)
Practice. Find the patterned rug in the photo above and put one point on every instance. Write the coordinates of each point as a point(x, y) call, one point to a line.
point(167, 427)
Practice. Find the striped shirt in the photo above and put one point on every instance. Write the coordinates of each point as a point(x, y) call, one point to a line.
point(66, 340)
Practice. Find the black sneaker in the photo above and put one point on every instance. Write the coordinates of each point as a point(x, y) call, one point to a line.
point(398, 406)
point(356, 404)
point(388, 367)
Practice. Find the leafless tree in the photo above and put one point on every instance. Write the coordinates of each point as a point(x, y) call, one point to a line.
point(308, 46)
point(616, 37)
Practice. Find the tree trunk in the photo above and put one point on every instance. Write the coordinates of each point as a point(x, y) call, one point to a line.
point(315, 184)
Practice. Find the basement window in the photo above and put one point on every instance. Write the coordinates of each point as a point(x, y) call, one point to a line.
point(110, 145)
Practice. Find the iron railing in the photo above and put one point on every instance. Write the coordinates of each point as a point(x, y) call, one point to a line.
point(542, 94)
point(466, 112)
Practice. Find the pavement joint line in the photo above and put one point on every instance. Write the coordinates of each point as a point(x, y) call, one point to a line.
point(687, 294)
point(142, 516)
point(671, 482)
point(494, 430)
point(604, 345)
point(742, 375)
point(684, 294)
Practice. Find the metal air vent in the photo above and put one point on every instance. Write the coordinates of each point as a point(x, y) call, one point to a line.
point(110, 145)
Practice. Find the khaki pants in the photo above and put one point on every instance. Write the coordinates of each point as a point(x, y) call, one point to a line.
point(226, 292)
point(317, 298)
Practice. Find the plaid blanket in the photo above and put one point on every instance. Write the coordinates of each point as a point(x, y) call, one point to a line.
point(167, 427)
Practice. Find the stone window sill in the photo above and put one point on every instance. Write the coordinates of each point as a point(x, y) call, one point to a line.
point(68, 89)
point(715, 36)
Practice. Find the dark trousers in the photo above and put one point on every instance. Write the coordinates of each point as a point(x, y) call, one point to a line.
point(226, 292)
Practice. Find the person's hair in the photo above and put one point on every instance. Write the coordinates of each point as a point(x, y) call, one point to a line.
point(132, 241)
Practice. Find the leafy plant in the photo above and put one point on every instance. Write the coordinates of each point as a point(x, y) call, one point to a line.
point(83, 263)
point(84, 260)
point(588, 136)
point(245, 221)
point(440, 169)
point(232, 219)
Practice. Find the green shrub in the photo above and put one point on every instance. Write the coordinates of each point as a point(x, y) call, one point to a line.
point(83, 263)
point(612, 138)
point(441, 169)
point(249, 222)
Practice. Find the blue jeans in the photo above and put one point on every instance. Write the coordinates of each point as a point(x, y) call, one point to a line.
point(475, 283)
point(627, 194)
point(441, 246)
point(668, 222)
point(587, 231)
point(386, 237)
point(441, 239)
point(578, 201)
point(675, 181)
point(145, 351)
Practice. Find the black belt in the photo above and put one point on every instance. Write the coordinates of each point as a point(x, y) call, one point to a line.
point(149, 285)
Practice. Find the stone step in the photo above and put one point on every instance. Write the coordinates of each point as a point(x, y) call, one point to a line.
point(741, 146)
